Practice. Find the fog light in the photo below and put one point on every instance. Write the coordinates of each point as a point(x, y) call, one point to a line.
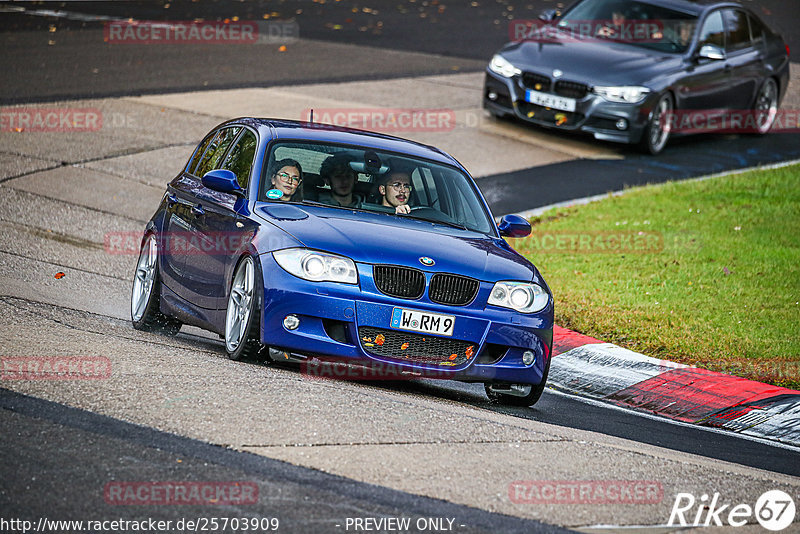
point(528, 357)
point(492, 95)
point(622, 124)
point(291, 322)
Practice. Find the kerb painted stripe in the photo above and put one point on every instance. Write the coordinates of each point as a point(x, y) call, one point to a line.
point(691, 394)
point(601, 369)
point(565, 340)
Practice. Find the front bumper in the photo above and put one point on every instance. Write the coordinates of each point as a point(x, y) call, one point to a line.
point(593, 114)
point(340, 321)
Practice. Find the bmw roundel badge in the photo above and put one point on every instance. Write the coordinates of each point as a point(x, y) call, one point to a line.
point(426, 261)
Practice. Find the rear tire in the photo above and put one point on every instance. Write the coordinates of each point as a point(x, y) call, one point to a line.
point(243, 317)
point(656, 133)
point(146, 293)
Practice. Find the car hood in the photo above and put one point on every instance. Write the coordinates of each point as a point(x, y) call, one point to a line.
point(378, 238)
point(593, 63)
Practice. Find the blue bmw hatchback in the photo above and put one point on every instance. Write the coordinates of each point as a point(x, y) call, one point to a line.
point(297, 241)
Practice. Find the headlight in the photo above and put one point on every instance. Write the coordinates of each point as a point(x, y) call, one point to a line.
point(503, 67)
point(317, 266)
point(624, 94)
point(523, 297)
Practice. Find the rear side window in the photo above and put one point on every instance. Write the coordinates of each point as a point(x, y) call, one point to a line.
point(713, 32)
point(216, 149)
point(738, 30)
point(240, 158)
point(756, 30)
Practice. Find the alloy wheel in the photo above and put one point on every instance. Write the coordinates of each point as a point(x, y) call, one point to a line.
point(239, 305)
point(143, 279)
point(766, 107)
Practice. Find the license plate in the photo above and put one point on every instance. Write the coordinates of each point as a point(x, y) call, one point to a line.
point(424, 322)
point(550, 101)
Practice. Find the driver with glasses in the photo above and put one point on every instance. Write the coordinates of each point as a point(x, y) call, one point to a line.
point(396, 191)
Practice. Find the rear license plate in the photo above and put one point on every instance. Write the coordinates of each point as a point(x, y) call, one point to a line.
point(550, 101)
point(425, 322)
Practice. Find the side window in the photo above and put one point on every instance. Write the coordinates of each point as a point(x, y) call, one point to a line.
point(216, 149)
point(419, 179)
point(240, 158)
point(738, 30)
point(756, 30)
point(199, 153)
point(713, 31)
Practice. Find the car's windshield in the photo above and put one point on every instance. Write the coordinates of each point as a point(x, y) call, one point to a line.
point(630, 22)
point(359, 178)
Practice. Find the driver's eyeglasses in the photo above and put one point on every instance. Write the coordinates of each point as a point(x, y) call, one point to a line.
point(288, 178)
point(400, 185)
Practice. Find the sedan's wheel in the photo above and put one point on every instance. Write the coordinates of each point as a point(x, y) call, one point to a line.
point(242, 339)
point(517, 394)
point(766, 106)
point(656, 133)
point(146, 293)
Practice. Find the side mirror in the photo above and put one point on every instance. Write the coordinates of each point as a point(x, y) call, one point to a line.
point(548, 15)
point(514, 226)
point(712, 52)
point(222, 180)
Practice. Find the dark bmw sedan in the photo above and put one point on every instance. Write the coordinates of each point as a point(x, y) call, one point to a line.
point(623, 70)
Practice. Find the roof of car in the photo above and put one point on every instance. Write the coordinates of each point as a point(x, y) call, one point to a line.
point(304, 131)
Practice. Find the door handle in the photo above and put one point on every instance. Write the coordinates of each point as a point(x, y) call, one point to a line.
point(198, 210)
point(727, 68)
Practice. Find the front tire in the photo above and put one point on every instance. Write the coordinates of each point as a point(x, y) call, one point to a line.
point(765, 108)
point(529, 399)
point(243, 317)
point(656, 133)
point(146, 293)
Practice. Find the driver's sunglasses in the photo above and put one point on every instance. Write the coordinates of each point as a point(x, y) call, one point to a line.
point(400, 185)
point(288, 178)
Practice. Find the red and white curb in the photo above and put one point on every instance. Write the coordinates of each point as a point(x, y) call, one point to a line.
point(590, 367)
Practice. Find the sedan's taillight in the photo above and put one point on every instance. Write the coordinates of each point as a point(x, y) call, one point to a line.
point(788, 54)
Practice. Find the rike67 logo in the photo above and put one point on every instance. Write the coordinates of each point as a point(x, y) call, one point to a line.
point(774, 510)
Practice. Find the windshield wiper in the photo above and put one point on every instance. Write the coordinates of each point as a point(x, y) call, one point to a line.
point(438, 221)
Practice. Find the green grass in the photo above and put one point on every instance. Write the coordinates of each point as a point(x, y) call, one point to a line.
point(717, 285)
